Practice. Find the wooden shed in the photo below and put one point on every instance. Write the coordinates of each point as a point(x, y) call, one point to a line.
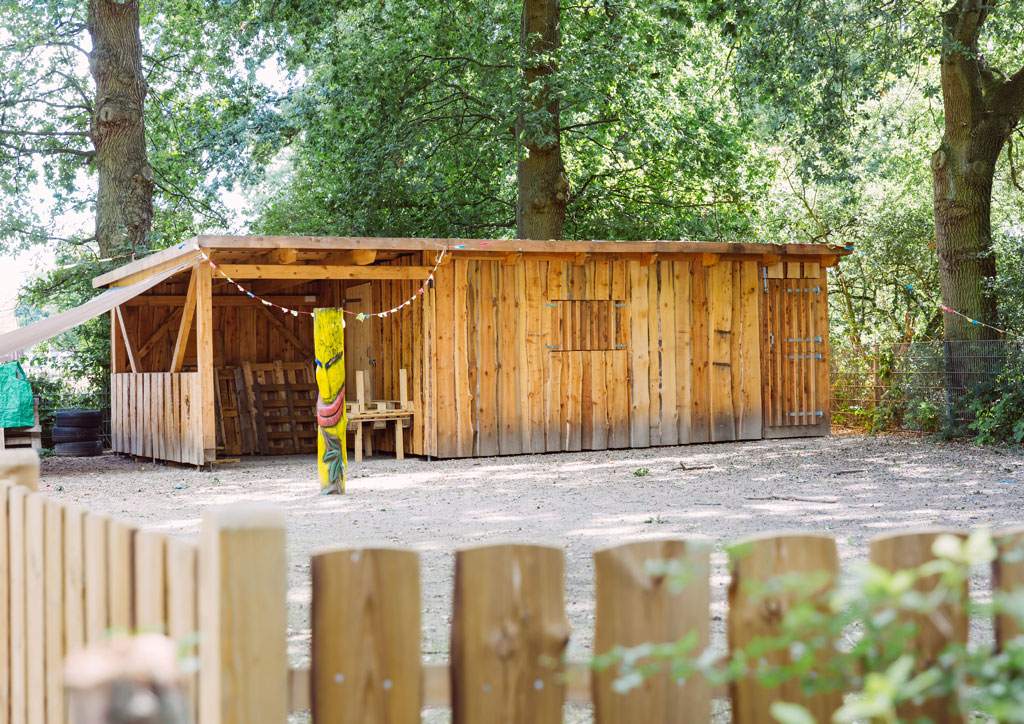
point(514, 347)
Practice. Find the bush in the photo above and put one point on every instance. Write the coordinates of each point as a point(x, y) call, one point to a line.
point(999, 410)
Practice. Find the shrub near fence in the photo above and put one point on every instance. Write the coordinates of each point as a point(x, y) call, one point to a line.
point(68, 576)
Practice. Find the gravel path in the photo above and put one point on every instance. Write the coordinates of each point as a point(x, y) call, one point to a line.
point(579, 501)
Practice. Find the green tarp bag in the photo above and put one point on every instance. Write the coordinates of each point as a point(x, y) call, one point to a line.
point(16, 408)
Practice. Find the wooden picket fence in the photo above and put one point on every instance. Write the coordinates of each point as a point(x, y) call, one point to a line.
point(68, 577)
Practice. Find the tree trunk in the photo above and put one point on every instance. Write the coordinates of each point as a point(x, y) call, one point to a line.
point(124, 200)
point(543, 185)
point(981, 109)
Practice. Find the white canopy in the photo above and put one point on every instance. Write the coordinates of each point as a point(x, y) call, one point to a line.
point(25, 337)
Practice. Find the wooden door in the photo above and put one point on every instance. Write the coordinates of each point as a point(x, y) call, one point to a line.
point(358, 336)
point(794, 325)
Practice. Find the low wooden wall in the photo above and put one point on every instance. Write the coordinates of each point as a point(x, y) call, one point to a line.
point(69, 578)
point(156, 415)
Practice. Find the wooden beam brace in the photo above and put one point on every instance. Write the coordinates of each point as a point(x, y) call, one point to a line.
point(282, 256)
point(225, 300)
point(646, 259)
point(322, 271)
point(826, 261)
point(709, 259)
point(158, 335)
point(581, 259)
point(358, 257)
point(133, 357)
point(288, 335)
point(513, 258)
point(185, 326)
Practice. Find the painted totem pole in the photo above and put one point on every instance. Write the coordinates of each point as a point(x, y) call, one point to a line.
point(329, 347)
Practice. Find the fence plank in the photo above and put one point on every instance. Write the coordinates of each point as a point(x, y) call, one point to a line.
point(509, 632)
point(900, 551)
point(16, 530)
point(1007, 576)
point(54, 612)
point(149, 588)
point(182, 602)
point(120, 569)
point(243, 617)
point(633, 608)
point(96, 620)
point(74, 578)
point(5, 602)
point(753, 616)
point(35, 609)
point(366, 637)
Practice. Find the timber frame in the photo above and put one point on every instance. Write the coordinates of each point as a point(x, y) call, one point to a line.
point(516, 346)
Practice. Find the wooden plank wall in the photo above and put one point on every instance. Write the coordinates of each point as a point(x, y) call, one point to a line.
point(70, 578)
point(676, 358)
point(153, 414)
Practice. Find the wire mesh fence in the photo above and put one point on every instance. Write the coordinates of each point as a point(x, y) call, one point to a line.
point(927, 386)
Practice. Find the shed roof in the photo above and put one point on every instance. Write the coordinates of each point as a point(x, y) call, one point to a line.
point(318, 257)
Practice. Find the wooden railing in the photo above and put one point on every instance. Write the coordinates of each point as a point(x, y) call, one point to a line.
point(69, 578)
point(156, 415)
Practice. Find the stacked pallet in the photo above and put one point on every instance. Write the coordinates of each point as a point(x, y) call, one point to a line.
point(11, 437)
point(266, 409)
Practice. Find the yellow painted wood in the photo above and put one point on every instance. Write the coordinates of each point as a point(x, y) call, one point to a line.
point(366, 637)
point(329, 343)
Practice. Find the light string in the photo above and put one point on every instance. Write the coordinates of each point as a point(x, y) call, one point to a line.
point(924, 295)
point(360, 316)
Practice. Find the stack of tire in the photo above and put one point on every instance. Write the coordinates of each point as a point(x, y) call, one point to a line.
point(77, 433)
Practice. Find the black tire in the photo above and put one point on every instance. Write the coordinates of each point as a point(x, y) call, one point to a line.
point(78, 449)
point(78, 418)
point(75, 434)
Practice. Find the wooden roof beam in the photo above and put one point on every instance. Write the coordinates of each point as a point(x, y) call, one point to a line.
point(357, 257)
point(282, 256)
point(322, 271)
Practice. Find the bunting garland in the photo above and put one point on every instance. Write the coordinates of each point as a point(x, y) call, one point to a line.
point(360, 316)
point(921, 293)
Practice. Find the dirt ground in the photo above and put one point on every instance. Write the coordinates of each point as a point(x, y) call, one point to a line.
point(578, 501)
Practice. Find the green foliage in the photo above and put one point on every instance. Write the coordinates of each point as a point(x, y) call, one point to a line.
point(856, 638)
point(999, 409)
point(402, 135)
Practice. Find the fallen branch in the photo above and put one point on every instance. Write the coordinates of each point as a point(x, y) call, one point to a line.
point(794, 497)
point(684, 466)
point(849, 472)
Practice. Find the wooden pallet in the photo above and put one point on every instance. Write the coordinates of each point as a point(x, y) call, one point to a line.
point(12, 437)
point(285, 418)
point(377, 414)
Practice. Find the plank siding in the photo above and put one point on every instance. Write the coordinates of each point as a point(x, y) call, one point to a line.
point(565, 356)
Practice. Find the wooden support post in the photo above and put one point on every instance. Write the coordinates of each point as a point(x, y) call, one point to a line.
point(204, 359)
point(332, 425)
point(243, 616)
point(133, 356)
point(366, 608)
point(185, 326)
